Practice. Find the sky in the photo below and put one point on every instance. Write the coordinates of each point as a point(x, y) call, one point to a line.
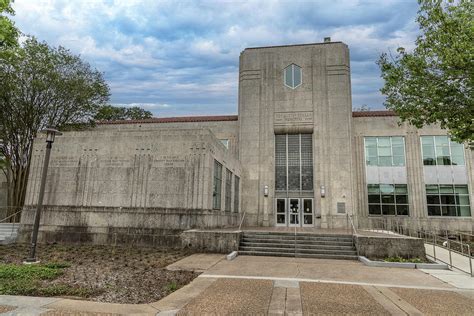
point(178, 58)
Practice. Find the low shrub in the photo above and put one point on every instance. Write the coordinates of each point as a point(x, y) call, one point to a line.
point(400, 259)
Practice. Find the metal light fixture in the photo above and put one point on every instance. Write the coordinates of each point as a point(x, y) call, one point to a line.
point(323, 191)
point(50, 135)
point(265, 190)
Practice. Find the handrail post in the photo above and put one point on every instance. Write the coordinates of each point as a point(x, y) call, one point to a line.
point(470, 259)
point(449, 249)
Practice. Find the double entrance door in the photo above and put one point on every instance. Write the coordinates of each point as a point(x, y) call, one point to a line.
point(294, 212)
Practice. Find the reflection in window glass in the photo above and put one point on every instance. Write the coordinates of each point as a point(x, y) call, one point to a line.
point(442, 151)
point(448, 200)
point(388, 199)
point(385, 151)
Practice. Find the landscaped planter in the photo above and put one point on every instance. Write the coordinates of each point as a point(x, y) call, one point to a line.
point(403, 265)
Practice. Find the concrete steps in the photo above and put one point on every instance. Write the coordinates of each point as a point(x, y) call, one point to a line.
point(8, 232)
point(299, 245)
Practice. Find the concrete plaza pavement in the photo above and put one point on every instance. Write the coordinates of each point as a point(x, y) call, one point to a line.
point(281, 286)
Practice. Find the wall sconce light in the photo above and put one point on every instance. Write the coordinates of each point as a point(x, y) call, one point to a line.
point(323, 191)
point(265, 190)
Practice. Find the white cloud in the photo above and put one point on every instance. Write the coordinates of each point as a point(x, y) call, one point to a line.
point(181, 53)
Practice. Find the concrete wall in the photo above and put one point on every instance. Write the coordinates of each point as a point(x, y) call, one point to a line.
point(106, 181)
point(389, 126)
point(221, 129)
point(320, 105)
point(211, 241)
point(117, 225)
point(130, 168)
point(383, 247)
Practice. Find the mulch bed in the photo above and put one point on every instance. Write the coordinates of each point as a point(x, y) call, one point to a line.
point(110, 274)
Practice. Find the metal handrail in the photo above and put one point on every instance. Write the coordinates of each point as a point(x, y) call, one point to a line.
point(242, 220)
point(10, 216)
point(429, 238)
point(354, 230)
point(13, 224)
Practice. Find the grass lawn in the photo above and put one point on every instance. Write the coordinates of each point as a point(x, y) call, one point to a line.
point(100, 273)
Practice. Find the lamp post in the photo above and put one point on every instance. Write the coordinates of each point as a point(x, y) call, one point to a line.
point(50, 135)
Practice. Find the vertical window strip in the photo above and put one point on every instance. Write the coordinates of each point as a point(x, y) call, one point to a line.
point(228, 190)
point(294, 162)
point(236, 193)
point(217, 185)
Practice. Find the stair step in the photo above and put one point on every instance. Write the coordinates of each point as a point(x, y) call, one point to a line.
point(298, 250)
point(316, 256)
point(297, 237)
point(297, 245)
point(310, 242)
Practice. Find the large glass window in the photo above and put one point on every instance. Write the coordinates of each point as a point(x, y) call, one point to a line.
point(236, 193)
point(292, 76)
point(442, 151)
point(388, 199)
point(216, 195)
point(447, 200)
point(294, 162)
point(385, 151)
point(228, 190)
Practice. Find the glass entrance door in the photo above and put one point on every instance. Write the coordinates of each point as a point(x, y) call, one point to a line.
point(281, 212)
point(308, 214)
point(294, 212)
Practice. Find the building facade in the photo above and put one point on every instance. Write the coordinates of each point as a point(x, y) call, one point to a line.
point(296, 155)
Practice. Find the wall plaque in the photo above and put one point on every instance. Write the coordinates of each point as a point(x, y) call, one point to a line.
point(283, 118)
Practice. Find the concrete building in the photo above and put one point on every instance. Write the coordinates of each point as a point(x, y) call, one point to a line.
point(296, 155)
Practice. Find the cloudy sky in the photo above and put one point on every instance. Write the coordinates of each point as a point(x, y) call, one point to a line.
point(181, 57)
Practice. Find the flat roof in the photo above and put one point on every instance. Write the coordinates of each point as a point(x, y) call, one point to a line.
point(223, 118)
point(177, 119)
point(307, 44)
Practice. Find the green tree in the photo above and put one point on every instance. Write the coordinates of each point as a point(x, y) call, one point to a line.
point(41, 86)
point(8, 32)
point(114, 113)
point(434, 83)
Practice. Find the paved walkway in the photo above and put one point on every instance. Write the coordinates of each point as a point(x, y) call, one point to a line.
point(280, 286)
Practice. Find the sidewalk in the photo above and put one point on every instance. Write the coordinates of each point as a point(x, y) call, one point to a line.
point(279, 286)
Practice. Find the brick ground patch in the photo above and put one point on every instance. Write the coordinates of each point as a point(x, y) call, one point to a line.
point(437, 302)
point(231, 296)
point(337, 299)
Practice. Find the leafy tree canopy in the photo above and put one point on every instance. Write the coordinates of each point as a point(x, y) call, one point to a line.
point(434, 82)
point(113, 113)
point(8, 32)
point(41, 86)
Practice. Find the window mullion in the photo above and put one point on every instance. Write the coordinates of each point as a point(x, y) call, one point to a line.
point(286, 148)
point(293, 76)
point(301, 169)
